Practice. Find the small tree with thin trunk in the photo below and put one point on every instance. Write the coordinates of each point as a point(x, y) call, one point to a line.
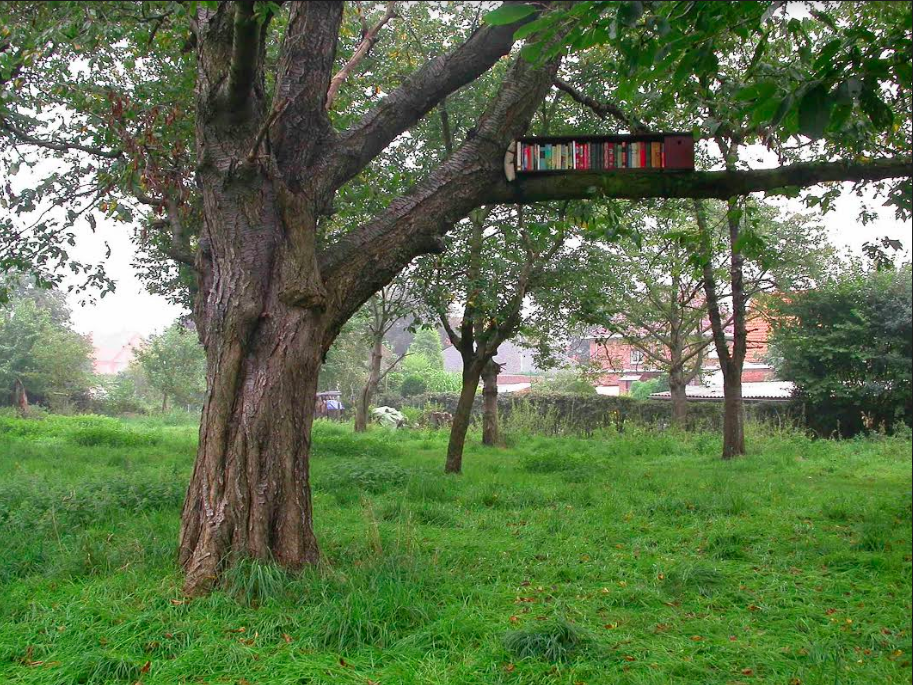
point(503, 266)
point(764, 253)
point(652, 299)
point(383, 310)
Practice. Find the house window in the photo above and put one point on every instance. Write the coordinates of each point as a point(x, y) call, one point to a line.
point(637, 357)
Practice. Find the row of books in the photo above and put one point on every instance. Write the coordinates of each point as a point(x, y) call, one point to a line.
point(590, 156)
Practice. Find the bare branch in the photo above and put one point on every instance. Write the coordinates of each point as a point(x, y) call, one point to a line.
point(602, 109)
point(417, 96)
point(364, 47)
point(58, 145)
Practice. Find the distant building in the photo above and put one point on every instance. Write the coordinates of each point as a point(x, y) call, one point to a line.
point(113, 352)
point(624, 364)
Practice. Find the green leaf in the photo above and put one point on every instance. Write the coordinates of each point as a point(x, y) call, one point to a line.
point(630, 12)
point(536, 25)
point(815, 111)
point(508, 14)
point(879, 113)
point(531, 52)
point(847, 92)
point(904, 73)
point(827, 53)
point(757, 91)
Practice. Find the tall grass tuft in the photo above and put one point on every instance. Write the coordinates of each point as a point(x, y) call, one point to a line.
point(555, 640)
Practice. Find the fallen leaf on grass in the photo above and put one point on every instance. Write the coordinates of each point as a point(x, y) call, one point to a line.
point(146, 667)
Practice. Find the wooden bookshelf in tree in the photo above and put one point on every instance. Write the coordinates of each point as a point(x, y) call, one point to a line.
point(600, 154)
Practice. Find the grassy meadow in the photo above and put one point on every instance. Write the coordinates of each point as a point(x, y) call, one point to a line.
point(628, 558)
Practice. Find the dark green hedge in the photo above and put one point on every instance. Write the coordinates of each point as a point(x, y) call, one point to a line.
point(586, 413)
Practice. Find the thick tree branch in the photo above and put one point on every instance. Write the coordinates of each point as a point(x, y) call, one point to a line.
point(364, 47)
point(720, 185)
point(305, 67)
point(415, 223)
point(244, 55)
point(417, 96)
point(602, 109)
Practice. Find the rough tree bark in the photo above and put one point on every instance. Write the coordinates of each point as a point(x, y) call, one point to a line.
point(491, 435)
point(462, 417)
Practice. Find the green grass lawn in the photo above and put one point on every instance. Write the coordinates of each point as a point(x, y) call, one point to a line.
point(633, 558)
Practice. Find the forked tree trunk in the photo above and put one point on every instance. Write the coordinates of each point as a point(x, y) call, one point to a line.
point(262, 321)
point(491, 435)
point(462, 417)
point(367, 392)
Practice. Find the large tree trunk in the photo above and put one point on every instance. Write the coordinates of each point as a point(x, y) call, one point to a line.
point(491, 436)
point(367, 393)
point(733, 413)
point(249, 494)
point(462, 417)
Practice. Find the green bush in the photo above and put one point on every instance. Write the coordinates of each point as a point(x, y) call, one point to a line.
point(413, 385)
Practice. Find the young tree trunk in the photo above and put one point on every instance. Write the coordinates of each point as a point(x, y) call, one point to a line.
point(733, 413)
point(676, 365)
point(367, 393)
point(462, 417)
point(21, 398)
point(164, 402)
point(677, 387)
point(490, 434)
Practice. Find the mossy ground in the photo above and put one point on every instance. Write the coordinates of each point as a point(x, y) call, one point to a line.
point(635, 558)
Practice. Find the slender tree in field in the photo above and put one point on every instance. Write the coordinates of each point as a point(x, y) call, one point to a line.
point(211, 121)
point(383, 309)
point(174, 365)
point(498, 266)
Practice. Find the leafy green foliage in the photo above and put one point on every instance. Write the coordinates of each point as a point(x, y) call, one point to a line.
point(641, 390)
point(427, 346)
point(39, 347)
point(175, 365)
point(847, 347)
